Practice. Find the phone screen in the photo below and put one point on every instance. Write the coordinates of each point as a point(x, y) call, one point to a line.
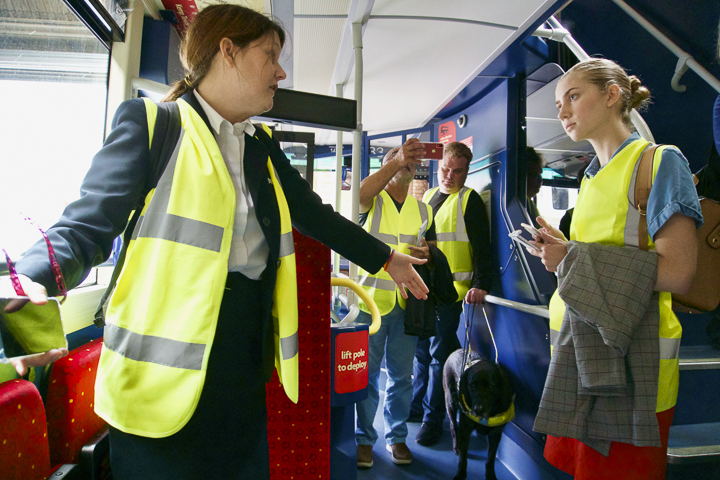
point(30, 330)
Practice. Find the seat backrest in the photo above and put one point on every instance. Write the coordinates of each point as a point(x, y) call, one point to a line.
point(24, 453)
point(71, 419)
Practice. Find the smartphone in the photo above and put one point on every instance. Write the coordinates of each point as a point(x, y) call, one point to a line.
point(31, 330)
point(531, 230)
point(516, 236)
point(421, 233)
point(433, 151)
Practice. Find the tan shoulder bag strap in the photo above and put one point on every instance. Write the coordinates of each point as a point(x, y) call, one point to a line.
point(643, 185)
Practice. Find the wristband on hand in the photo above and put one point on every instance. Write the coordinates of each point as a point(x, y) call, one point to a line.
point(387, 264)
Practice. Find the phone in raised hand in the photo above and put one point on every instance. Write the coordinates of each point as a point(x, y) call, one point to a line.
point(433, 150)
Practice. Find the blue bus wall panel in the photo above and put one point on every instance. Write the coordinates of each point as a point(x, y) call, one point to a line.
point(159, 56)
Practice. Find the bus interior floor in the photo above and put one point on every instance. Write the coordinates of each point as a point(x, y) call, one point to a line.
point(437, 462)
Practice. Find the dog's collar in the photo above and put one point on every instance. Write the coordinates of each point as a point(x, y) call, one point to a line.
point(495, 421)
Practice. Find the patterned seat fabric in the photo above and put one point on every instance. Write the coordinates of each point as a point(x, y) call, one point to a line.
point(71, 419)
point(299, 434)
point(24, 453)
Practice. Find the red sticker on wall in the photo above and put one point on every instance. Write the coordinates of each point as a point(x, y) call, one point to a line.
point(185, 11)
point(351, 361)
point(446, 132)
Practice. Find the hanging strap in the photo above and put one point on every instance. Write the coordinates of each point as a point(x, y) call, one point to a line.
point(643, 185)
point(165, 137)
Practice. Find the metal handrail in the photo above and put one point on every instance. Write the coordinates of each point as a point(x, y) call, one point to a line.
point(558, 33)
point(539, 310)
point(685, 60)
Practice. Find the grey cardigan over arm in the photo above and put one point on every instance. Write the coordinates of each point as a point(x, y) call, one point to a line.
point(602, 382)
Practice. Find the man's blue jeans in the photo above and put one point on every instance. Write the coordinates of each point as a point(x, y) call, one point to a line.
point(399, 350)
point(430, 358)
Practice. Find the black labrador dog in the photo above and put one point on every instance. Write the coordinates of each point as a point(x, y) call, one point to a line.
point(483, 398)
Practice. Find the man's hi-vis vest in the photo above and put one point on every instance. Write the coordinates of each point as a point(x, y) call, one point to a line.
point(162, 316)
point(604, 214)
point(398, 230)
point(452, 237)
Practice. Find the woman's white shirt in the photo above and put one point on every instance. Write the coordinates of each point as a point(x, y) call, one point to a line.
point(249, 250)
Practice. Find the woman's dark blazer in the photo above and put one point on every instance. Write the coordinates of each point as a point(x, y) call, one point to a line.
point(112, 188)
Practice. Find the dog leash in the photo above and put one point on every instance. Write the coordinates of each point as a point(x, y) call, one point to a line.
point(468, 330)
point(469, 314)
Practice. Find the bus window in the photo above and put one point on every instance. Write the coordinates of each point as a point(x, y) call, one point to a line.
point(54, 73)
point(553, 202)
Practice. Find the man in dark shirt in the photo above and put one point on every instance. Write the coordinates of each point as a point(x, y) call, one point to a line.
point(465, 241)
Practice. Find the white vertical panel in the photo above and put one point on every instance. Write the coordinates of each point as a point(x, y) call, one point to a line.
point(315, 50)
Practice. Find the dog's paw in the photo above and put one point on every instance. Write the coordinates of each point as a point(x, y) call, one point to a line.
point(456, 450)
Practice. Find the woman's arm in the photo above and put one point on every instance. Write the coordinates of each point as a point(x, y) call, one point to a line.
point(676, 246)
point(83, 236)
point(318, 220)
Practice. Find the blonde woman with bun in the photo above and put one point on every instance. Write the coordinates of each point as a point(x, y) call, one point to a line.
point(594, 100)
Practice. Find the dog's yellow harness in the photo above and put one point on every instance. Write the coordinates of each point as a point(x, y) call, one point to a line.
point(495, 421)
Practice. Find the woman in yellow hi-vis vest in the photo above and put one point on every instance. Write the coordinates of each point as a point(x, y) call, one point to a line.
point(594, 100)
point(205, 306)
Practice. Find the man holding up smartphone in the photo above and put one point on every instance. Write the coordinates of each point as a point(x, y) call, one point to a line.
point(390, 214)
point(465, 241)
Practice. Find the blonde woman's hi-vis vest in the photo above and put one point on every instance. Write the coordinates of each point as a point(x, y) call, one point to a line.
point(604, 214)
point(398, 230)
point(162, 316)
point(452, 237)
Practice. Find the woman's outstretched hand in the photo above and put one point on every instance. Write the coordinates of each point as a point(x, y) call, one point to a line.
point(402, 272)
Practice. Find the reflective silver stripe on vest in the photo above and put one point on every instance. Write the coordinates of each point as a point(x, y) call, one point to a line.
point(632, 222)
point(378, 283)
point(287, 244)
point(409, 239)
point(375, 226)
point(669, 347)
point(181, 230)
point(147, 348)
point(157, 223)
point(462, 276)
point(452, 237)
point(288, 345)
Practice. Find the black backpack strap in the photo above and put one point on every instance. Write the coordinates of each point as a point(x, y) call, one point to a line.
point(165, 136)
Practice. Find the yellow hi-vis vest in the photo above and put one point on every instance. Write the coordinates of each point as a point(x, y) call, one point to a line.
point(452, 237)
point(398, 230)
point(161, 319)
point(604, 214)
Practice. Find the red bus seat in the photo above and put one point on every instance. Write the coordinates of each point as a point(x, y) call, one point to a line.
point(71, 419)
point(24, 453)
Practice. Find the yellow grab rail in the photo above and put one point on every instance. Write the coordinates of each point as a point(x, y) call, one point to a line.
point(346, 282)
